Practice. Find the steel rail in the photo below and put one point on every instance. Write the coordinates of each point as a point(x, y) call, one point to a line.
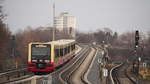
point(114, 77)
point(83, 77)
point(78, 60)
point(111, 73)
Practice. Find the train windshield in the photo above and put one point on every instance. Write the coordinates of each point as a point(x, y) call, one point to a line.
point(40, 52)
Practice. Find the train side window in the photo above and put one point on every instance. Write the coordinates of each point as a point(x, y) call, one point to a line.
point(74, 46)
point(61, 52)
point(69, 49)
point(65, 50)
point(57, 52)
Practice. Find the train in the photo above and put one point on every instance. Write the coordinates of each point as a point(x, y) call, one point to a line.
point(47, 56)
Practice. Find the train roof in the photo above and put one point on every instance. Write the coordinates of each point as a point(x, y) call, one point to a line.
point(63, 41)
point(58, 42)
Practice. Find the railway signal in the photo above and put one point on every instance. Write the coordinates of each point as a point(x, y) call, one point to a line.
point(136, 62)
point(137, 38)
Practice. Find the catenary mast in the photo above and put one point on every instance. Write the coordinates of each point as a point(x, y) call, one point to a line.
point(53, 22)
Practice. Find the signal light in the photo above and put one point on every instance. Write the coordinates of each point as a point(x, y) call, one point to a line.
point(137, 38)
point(136, 46)
point(136, 43)
point(137, 35)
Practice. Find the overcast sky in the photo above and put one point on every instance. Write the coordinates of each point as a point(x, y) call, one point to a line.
point(119, 15)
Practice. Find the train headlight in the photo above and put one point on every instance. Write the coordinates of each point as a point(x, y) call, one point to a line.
point(34, 60)
point(41, 60)
point(47, 61)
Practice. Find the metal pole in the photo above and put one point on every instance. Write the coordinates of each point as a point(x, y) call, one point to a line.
point(53, 21)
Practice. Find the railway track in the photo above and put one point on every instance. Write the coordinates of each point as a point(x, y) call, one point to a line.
point(57, 75)
point(118, 75)
point(76, 72)
point(91, 68)
point(14, 75)
point(65, 75)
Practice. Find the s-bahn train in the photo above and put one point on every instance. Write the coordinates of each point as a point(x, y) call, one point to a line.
point(45, 57)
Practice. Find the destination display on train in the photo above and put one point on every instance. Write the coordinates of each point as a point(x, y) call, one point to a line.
point(40, 45)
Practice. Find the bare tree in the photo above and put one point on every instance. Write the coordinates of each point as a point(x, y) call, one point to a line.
point(127, 39)
point(4, 41)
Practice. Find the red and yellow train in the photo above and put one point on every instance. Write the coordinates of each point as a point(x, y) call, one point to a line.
point(45, 57)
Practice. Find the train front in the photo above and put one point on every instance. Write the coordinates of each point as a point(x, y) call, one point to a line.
point(39, 58)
